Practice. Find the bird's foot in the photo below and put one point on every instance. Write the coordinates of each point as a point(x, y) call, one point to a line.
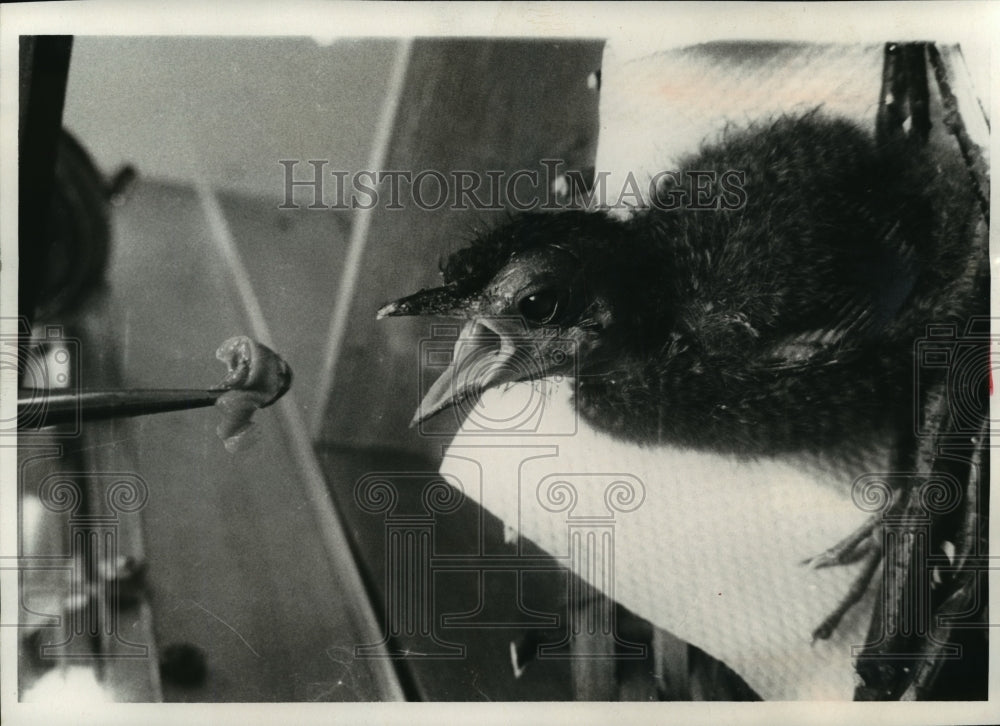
point(872, 557)
point(849, 550)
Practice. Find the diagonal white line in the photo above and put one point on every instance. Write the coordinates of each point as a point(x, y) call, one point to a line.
point(359, 237)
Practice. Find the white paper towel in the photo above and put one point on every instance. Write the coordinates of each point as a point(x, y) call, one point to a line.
point(706, 547)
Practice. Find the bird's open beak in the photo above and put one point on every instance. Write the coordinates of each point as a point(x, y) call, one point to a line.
point(439, 301)
point(490, 351)
point(486, 355)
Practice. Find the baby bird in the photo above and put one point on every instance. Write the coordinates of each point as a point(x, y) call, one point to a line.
point(785, 325)
point(773, 312)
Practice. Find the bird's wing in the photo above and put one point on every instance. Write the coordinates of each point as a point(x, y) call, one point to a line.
point(825, 346)
point(867, 314)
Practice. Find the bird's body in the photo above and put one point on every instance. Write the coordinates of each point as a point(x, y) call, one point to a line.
point(785, 325)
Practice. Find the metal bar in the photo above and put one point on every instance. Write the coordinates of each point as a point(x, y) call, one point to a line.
point(40, 407)
point(951, 87)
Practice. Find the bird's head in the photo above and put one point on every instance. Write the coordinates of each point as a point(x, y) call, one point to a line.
point(544, 295)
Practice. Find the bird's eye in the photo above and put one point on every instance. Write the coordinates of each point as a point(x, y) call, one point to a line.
point(541, 307)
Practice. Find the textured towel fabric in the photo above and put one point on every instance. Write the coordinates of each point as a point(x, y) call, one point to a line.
point(707, 547)
point(659, 108)
point(703, 546)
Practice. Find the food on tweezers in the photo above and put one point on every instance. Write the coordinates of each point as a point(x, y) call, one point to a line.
point(257, 377)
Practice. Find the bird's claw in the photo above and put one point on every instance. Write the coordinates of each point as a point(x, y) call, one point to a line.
point(849, 550)
point(859, 587)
